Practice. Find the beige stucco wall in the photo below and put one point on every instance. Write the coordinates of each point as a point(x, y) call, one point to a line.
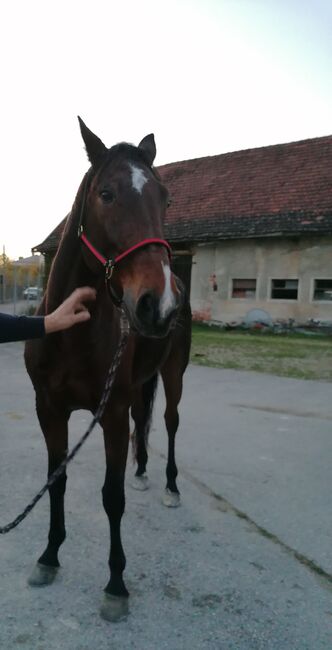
point(305, 259)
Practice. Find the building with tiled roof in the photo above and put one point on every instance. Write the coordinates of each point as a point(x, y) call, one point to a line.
point(283, 188)
point(257, 226)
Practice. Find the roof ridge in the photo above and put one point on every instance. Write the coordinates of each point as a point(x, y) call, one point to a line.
point(317, 139)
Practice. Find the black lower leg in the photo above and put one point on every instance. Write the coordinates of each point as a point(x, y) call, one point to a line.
point(57, 532)
point(172, 423)
point(171, 469)
point(142, 414)
point(55, 430)
point(114, 503)
point(141, 453)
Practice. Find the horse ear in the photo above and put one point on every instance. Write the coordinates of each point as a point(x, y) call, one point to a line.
point(95, 148)
point(148, 145)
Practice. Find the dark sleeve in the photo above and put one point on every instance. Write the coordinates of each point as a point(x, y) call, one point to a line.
point(21, 328)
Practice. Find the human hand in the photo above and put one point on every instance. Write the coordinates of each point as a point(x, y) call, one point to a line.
point(71, 311)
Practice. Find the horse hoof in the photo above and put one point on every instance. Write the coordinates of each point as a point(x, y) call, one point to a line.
point(140, 483)
point(42, 575)
point(171, 499)
point(114, 608)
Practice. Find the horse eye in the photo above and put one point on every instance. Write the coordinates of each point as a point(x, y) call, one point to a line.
point(107, 196)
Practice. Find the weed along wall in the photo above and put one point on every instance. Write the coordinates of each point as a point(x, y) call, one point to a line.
point(288, 278)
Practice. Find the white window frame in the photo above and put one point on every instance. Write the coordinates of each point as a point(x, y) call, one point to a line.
point(321, 302)
point(287, 300)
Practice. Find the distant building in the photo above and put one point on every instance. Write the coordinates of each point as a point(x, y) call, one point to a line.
point(32, 260)
point(18, 275)
point(251, 230)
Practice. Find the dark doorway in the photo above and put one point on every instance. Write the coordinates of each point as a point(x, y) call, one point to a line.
point(181, 266)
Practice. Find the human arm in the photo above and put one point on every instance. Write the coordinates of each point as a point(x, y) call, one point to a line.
point(69, 313)
point(20, 328)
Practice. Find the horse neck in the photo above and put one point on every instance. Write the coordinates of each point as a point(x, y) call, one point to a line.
point(69, 270)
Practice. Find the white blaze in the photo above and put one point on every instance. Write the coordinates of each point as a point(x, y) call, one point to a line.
point(138, 178)
point(167, 301)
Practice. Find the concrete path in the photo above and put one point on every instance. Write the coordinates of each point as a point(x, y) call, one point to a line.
point(18, 308)
point(244, 564)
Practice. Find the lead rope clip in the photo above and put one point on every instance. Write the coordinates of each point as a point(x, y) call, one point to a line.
point(109, 268)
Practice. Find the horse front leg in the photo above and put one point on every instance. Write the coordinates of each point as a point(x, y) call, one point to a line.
point(55, 430)
point(116, 437)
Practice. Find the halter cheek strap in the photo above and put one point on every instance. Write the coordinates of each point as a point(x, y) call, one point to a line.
point(91, 248)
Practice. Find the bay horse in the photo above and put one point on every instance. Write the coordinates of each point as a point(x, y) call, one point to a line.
point(113, 241)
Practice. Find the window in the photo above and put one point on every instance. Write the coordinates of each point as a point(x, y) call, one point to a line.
point(284, 289)
point(323, 290)
point(243, 289)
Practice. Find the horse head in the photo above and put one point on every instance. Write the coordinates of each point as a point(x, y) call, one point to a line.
point(121, 225)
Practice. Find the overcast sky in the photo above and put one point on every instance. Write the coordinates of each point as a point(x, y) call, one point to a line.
point(206, 76)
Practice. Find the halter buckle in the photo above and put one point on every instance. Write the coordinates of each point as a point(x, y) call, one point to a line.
point(109, 268)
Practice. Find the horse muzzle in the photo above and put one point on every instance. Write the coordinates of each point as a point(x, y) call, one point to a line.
point(151, 316)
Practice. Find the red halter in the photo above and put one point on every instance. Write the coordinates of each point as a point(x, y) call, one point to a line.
point(110, 263)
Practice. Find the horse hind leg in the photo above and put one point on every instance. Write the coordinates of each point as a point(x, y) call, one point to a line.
point(172, 373)
point(55, 429)
point(172, 381)
point(141, 413)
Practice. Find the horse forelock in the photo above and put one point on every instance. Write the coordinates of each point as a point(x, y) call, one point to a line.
point(129, 152)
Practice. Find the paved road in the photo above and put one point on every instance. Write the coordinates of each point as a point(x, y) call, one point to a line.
point(244, 564)
point(20, 307)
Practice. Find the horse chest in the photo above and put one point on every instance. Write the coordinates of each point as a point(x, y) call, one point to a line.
point(149, 358)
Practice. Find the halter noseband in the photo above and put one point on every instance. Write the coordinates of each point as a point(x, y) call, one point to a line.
point(110, 263)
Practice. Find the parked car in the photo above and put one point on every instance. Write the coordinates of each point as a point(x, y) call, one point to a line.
point(32, 293)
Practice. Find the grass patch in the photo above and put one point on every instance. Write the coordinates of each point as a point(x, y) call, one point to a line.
point(287, 355)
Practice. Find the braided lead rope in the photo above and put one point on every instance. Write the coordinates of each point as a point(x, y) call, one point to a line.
point(124, 328)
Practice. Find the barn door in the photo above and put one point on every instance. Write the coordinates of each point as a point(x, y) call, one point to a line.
point(181, 266)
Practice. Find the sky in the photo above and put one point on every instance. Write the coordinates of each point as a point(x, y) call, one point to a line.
point(205, 76)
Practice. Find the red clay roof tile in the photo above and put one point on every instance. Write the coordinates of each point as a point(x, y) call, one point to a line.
point(274, 179)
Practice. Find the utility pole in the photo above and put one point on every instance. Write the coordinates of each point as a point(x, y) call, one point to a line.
point(2, 276)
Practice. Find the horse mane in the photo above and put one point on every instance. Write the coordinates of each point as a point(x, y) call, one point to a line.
point(67, 251)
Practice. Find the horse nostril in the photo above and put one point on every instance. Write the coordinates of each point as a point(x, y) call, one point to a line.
point(152, 316)
point(147, 309)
